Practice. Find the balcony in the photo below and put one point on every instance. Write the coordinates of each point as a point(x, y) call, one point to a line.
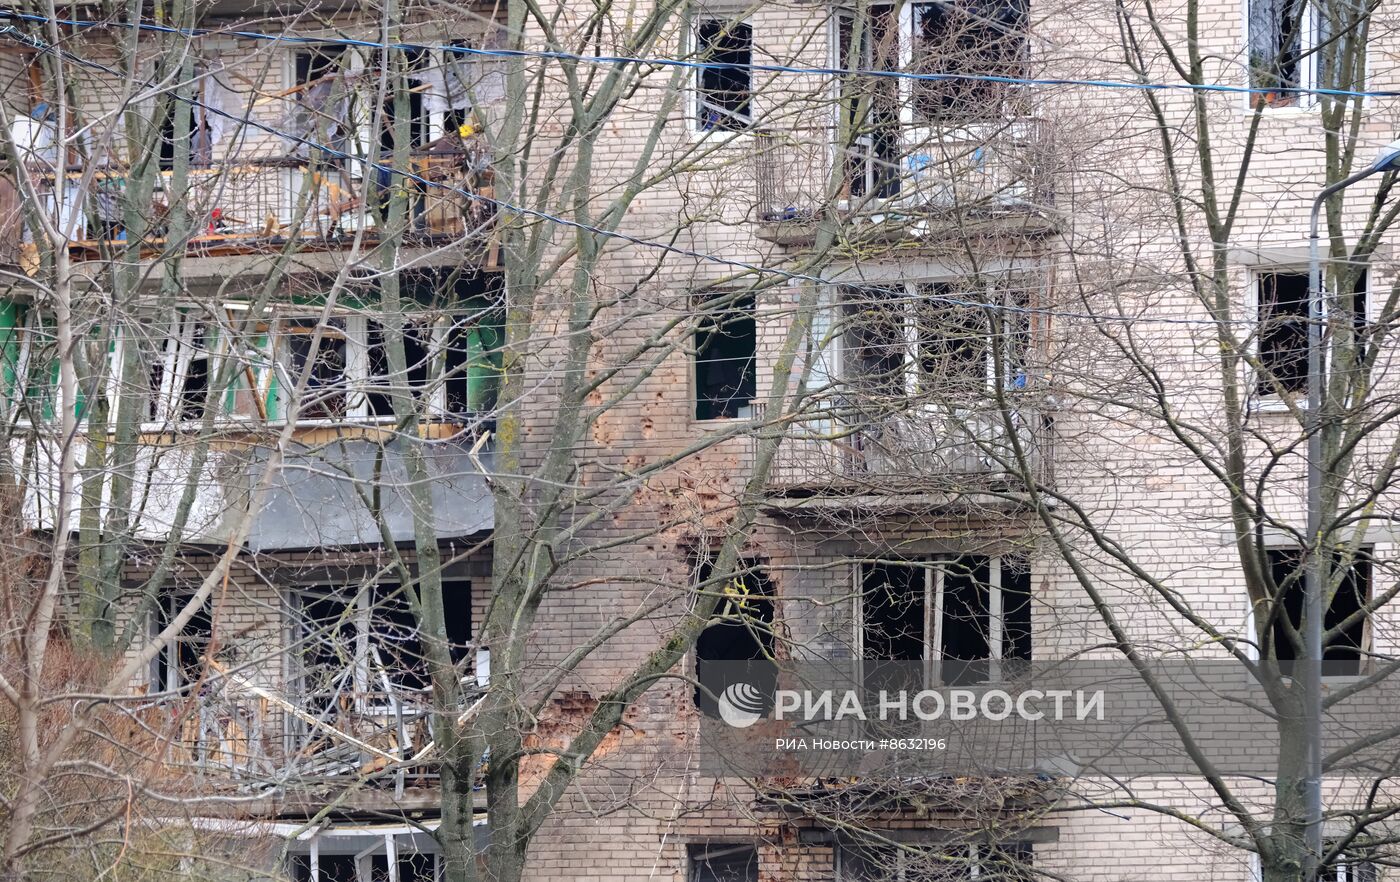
point(251, 206)
point(922, 452)
point(909, 183)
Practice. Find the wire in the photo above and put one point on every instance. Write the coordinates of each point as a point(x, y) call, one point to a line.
point(744, 266)
point(554, 55)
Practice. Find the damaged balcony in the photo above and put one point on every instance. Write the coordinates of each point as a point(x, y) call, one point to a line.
point(905, 157)
point(910, 184)
point(251, 206)
point(307, 151)
point(936, 393)
point(357, 704)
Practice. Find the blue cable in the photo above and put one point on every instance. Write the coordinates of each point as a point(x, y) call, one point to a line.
point(703, 65)
point(498, 204)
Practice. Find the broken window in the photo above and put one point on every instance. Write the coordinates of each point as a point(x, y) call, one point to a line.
point(934, 341)
point(418, 362)
point(722, 862)
point(1002, 862)
point(471, 370)
point(178, 369)
point(1283, 329)
point(970, 615)
point(1282, 45)
point(199, 146)
point(324, 363)
point(346, 857)
point(970, 38)
point(741, 630)
point(181, 660)
point(724, 85)
point(1344, 622)
point(870, 105)
point(726, 342)
point(358, 644)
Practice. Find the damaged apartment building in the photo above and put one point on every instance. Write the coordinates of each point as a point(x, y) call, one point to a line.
point(288, 322)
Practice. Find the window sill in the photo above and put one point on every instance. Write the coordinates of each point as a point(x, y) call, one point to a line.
point(1275, 405)
point(726, 137)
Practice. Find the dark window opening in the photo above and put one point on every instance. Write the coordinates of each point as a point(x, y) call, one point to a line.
point(951, 611)
point(953, 341)
point(725, 84)
point(871, 105)
point(741, 630)
point(1342, 651)
point(416, 62)
point(330, 868)
point(194, 390)
point(1283, 329)
point(1283, 333)
point(318, 63)
point(198, 133)
point(875, 348)
point(354, 640)
point(980, 39)
point(722, 863)
point(893, 614)
point(384, 383)
point(181, 665)
point(327, 385)
point(726, 344)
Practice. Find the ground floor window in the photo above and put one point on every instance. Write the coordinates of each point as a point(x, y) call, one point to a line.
point(722, 862)
point(365, 857)
point(913, 862)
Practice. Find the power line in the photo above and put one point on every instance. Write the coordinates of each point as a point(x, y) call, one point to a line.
point(739, 265)
point(554, 55)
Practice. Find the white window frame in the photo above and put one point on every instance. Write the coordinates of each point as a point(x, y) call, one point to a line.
point(934, 567)
point(908, 295)
point(375, 844)
point(1308, 78)
point(695, 104)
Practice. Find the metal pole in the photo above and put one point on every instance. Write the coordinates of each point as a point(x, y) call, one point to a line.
point(1315, 577)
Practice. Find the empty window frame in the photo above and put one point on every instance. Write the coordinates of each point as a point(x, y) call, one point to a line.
point(740, 631)
point(1344, 622)
point(932, 340)
point(1283, 40)
point(969, 615)
point(979, 38)
point(722, 862)
point(323, 359)
point(180, 370)
point(724, 84)
point(348, 858)
point(726, 346)
point(1003, 862)
point(870, 107)
point(199, 144)
point(181, 660)
point(451, 366)
point(1282, 297)
point(383, 382)
point(359, 644)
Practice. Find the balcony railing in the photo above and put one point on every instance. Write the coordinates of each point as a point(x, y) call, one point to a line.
point(972, 172)
point(919, 449)
point(249, 206)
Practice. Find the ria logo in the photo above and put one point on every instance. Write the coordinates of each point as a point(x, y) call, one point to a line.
point(741, 705)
